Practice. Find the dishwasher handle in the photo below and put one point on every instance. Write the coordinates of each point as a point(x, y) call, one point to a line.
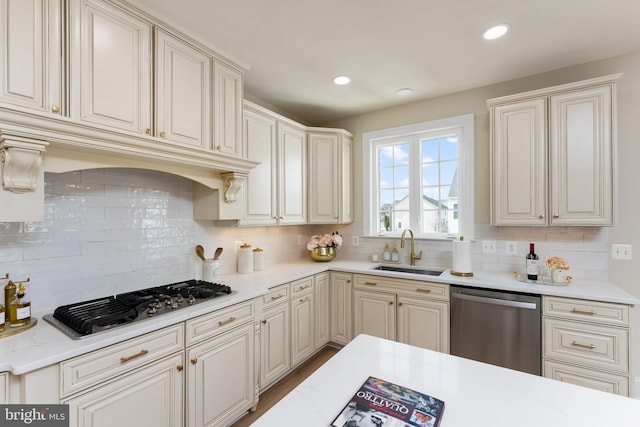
point(496, 301)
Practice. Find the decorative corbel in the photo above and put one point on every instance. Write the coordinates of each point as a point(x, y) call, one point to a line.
point(232, 182)
point(21, 158)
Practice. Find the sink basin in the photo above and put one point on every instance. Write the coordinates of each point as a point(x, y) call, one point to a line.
point(412, 270)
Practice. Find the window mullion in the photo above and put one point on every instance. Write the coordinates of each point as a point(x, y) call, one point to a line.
point(415, 186)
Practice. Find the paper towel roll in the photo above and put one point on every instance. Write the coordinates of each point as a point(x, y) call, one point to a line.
point(461, 258)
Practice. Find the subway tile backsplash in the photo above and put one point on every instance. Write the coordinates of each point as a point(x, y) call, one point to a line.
point(113, 230)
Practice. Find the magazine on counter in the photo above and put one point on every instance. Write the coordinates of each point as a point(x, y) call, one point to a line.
point(379, 403)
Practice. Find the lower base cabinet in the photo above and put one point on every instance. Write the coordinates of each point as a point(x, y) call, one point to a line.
point(340, 310)
point(150, 396)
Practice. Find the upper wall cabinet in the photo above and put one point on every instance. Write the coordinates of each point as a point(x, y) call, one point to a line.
point(228, 95)
point(110, 66)
point(31, 36)
point(553, 155)
point(330, 192)
point(183, 94)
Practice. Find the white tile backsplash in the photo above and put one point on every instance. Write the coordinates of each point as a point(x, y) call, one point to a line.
point(108, 231)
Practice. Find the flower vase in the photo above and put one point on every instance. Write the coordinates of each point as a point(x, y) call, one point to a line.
point(322, 254)
point(557, 275)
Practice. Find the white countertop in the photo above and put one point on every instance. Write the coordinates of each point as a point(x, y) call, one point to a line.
point(44, 345)
point(475, 394)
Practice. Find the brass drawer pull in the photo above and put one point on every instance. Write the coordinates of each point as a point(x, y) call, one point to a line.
point(264, 322)
point(578, 311)
point(304, 287)
point(124, 359)
point(426, 291)
point(371, 283)
point(277, 297)
point(579, 344)
point(305, 299)
point(224, 322)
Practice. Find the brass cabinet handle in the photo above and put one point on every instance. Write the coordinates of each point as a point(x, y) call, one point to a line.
point(162, 134)
point(579, 344)
point(305, 299)
point(304, 287)
point(219, 147)
point(541, 216)
point(224, 322)
point(124, 359)
point(348, 281)
point(179, 368)
point(371, 283)
point(587, 312)
point(277, 297)
point(390, 302)
point(556, 215)
point(426, 291)
point(264, 322)
point(55, 109)
point(147, 131)
point(194, 360)
point(399, 304)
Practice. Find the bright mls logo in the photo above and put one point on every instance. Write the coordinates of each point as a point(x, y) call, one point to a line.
point(34, 415)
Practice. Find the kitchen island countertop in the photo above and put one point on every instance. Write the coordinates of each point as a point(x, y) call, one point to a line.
point(44, 345)
point(475, 394)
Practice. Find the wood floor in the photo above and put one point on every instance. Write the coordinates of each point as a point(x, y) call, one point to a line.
point(280, 389)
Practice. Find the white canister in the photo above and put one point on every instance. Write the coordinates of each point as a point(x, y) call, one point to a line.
point(245, 259)
point(462, 258)
point(258, 259)
point(210, 269)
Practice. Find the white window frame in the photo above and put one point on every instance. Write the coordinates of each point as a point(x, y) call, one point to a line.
point(464, 126)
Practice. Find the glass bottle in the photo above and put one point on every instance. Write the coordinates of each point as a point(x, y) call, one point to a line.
point(395, 255)
point(20, 308)
point(386, 255)
point(532, 263)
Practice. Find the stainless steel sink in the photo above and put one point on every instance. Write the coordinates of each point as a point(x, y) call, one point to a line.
point(412, 270)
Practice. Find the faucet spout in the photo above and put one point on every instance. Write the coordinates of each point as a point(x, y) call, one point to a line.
point(412, 256)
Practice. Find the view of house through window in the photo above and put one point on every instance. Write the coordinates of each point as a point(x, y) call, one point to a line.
point(415, 178)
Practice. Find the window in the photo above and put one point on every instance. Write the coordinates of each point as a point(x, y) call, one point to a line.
point(420, 176)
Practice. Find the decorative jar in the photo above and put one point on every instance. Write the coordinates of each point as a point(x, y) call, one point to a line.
point(322, 254)
point(557, 275)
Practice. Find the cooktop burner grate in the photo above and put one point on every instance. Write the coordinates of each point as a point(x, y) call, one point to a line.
point(88, 317)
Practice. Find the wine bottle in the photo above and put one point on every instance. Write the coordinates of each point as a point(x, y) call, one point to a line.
point(532, 263)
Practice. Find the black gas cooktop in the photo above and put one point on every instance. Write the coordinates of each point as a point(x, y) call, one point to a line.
point(85, 318)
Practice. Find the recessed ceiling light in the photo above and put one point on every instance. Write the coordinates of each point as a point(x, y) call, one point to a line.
point(404, 91)
point(496, 31)
point(342, 80)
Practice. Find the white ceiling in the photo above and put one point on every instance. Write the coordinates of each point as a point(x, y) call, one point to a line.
point(294, 48)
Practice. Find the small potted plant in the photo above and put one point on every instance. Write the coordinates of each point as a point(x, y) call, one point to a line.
point(557, 266)
point(323, 248)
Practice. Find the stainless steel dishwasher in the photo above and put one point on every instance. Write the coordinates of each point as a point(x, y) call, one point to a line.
point(497, 327)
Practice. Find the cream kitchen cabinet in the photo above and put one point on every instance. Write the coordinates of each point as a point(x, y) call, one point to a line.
point(110, 83)
point(340, 310)
point(31, 67)
point(275, 342)
point(330, 177)
point(227, 109)
point(409, 311)
point(586, 343)
point(221, 380)
point(275, 191)
point(108, 386)
point(302, 320)
point(183, 92)
point(321, 285)
point(552, 155)
point(4, 388)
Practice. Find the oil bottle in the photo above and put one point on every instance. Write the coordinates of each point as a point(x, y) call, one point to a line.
point(19, 308)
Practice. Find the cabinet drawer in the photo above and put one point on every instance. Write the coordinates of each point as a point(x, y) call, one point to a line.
point(591, 311)
point(413, 288)
point(210, 325)
point(275, 296)
point(302, 286)
point(609, 383)
point(587, 344)
point(84, 371)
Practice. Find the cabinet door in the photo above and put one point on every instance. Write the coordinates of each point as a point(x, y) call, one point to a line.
point(375, 314)
point(292, 174)
point(227, 114)
point(31, 60)
point(260, 190)
point(183, 93)
point(341, 312)
point(110, 82)
point(4, 388)
point(324, 175)
point(519, 185)
point(151, 396)
point(581, 157)
point(220, 381)
point(302, 329)
point(346, 181)
point(321, 295)
point(276, 346)
point(423, 323)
